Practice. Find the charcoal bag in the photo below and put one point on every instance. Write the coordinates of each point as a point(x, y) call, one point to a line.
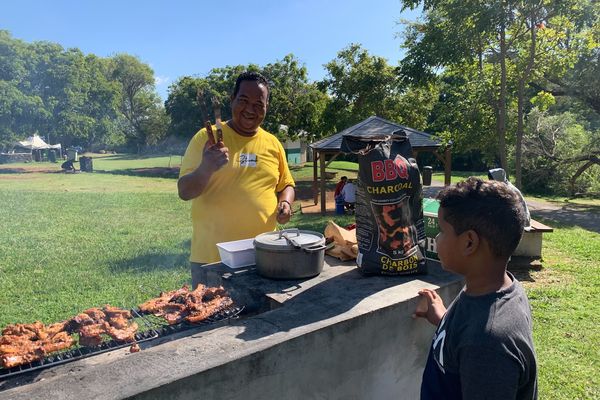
point(389, 208)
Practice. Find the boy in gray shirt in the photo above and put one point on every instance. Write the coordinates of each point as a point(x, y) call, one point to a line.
point(483, 346)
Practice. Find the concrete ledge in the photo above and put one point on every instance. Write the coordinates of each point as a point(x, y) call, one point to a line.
point(339, 335)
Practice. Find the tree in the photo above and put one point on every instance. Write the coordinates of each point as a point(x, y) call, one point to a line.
point(295, 105)
point(558, 151)
point(465, 111)
point(511, 42)
point(138, 99)
point(360, 85)
point(73, 98)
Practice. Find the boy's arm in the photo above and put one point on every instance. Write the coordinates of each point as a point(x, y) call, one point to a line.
point(488, 374)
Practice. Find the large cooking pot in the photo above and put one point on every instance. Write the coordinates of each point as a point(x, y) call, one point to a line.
point(290, 254)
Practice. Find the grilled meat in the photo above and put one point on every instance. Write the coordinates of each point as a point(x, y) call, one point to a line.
point(25, 343)
point(114, 322)
point(192, 306)
point(115, 312)
point(211, 307)
point(122, 335)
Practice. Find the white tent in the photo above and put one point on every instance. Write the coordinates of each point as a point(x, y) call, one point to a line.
point(37, 143)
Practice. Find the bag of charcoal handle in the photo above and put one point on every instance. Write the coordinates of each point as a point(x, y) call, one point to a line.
point(389, 210)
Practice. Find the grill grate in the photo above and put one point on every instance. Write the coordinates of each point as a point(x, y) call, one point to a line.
point(150, 327)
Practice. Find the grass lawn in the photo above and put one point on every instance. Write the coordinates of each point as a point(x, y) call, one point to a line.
point(72, 241)
point(458, 176)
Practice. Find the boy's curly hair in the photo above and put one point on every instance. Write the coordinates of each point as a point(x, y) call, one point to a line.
point(490, 208)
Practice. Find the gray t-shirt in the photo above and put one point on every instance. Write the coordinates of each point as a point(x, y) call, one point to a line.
point(483, 349)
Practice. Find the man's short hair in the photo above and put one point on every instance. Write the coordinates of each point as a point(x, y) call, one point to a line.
point(490, 208)
point(250, 76)
point(343, 177)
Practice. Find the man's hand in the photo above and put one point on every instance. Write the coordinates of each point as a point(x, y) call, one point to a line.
point(430, 307)
point(215, 155)
point(284, 212)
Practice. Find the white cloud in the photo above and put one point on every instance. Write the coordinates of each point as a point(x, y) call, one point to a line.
point(161, 80)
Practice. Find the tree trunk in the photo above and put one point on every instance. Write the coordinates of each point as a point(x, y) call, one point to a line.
point(519, 141)
point(593, 160)
point(521, 103)
point(501, 123)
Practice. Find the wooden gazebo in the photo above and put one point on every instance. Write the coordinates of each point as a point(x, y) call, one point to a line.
point(327, 149)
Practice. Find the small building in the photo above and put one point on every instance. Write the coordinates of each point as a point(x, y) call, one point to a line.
point(295, 150)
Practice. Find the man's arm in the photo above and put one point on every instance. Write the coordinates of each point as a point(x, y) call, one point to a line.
point(285, 198)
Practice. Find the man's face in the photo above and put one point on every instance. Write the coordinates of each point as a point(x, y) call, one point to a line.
point(248, 107)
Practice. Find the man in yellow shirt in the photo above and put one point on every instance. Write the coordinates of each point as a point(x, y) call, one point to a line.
point(240, 186)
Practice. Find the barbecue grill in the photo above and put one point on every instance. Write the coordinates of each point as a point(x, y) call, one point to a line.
point(150, 327)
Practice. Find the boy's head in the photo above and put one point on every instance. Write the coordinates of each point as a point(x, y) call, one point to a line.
point(483, 211)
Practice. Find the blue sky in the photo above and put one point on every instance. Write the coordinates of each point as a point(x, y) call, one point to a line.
point(178, 38)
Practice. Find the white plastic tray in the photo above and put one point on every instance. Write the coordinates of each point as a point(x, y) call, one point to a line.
point(238, 253)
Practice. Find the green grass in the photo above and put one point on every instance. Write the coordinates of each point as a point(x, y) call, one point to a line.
point(72, 241)
point(341, 168)
point(458, 176)
point(64, 250)
point(565, 311)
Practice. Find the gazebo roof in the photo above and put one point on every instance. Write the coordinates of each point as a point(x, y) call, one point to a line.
point(376, 126)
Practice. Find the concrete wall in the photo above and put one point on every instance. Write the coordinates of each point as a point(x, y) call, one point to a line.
point(380, 355)
point(339, 335)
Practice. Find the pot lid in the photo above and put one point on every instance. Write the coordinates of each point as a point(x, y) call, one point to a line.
point(288, 239)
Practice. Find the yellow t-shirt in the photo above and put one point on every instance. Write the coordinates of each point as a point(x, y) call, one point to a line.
point(240, 200)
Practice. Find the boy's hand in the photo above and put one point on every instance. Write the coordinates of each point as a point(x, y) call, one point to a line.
point(430, 307)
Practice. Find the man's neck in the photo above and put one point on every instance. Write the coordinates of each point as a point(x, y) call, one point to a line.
point(232, 125)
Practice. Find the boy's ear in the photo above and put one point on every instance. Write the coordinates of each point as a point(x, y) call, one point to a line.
point(470, 242)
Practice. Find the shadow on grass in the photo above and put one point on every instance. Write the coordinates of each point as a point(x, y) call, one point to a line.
point(583, 216)
point(125, 156)
point(154, 261)
point(153, 172)
point(150, 262)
